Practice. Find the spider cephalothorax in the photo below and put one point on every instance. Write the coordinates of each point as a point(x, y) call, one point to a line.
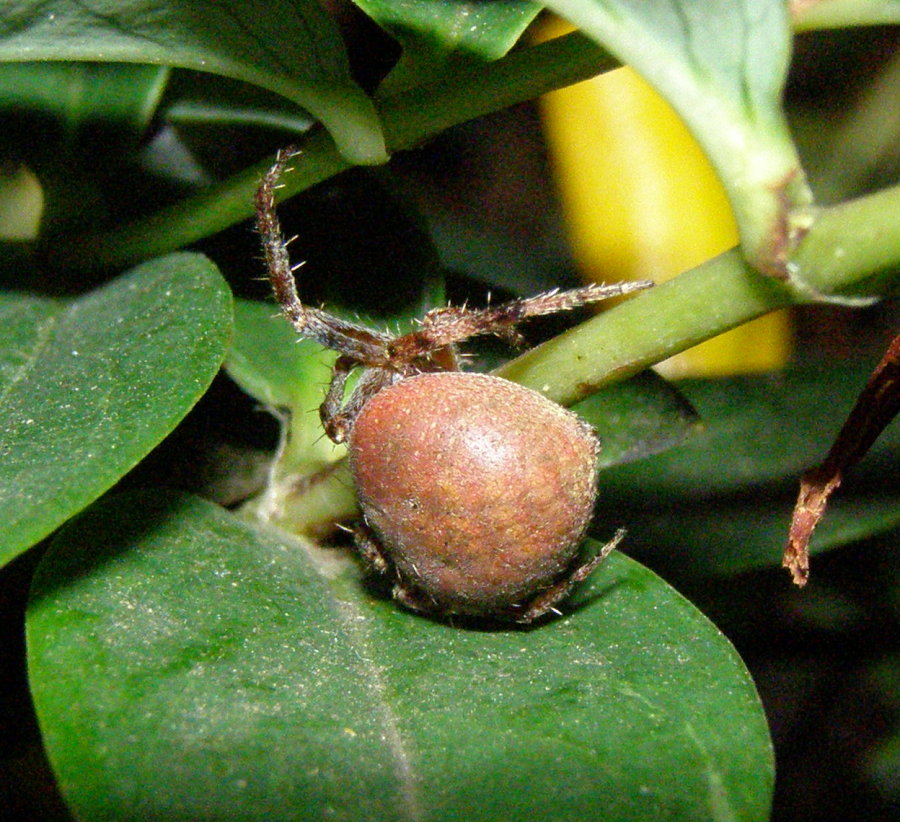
point(476, 492)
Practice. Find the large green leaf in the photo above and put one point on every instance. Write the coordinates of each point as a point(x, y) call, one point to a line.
point(185, 666)
point(291, 48)
point(88, 388)
point(722, 65)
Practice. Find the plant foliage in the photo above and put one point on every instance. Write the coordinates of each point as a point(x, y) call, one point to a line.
point(190, 660)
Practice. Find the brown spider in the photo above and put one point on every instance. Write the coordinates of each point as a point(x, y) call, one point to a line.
point(476, 492)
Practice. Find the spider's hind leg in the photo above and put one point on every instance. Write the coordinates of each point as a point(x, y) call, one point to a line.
point(547, 601)
point(370, 549)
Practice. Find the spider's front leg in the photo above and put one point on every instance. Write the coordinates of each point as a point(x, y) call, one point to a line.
point(443, 327)
point(355, 341)
point(336, 422)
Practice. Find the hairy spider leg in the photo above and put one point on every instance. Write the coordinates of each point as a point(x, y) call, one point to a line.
point(443, 327)
point(547, 601)
point(337, 416)
point(430, 348)
point(360, 344)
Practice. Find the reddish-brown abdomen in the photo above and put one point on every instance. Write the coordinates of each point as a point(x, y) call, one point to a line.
point(480, 490)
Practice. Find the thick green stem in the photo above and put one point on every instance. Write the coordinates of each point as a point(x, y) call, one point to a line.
point(701, 303)
point(415, 115)
point(850, 249)
point(853, 249)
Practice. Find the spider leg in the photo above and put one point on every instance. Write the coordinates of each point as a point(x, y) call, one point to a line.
point(547, 601)
point(378, 563)
point(443, 327)
point(363, 345)
point(337, 424)
point(338, 417)
point(370, 549)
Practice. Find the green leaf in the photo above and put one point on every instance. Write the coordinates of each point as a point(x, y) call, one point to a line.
point(740, 532)
point(436, 34)
point(487, 30)
point(758, 429)
point(88, 388)
point(292, 49)
point(77, 94)
point(722, 65)
point(637, 418)
point(201, 100)
point(289, 376)
point(185, 666)
point(721, 502)
point(270, 361)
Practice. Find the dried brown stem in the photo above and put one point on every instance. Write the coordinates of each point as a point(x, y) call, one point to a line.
point(877, 405)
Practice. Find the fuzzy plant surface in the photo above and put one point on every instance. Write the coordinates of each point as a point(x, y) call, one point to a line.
point(206, 648)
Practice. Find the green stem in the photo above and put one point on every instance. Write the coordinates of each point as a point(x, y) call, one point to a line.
point(410, 117)
point(701, 303)
point(414, 115)
point(841, 14)
point(307, 505)
point(196, 217)
point(853, 248)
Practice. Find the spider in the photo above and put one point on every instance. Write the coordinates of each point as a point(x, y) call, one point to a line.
point(476, 492)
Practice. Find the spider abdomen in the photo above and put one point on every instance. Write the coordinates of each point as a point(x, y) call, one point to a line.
point(479, 490)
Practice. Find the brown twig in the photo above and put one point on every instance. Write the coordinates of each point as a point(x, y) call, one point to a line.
point(877, 405)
